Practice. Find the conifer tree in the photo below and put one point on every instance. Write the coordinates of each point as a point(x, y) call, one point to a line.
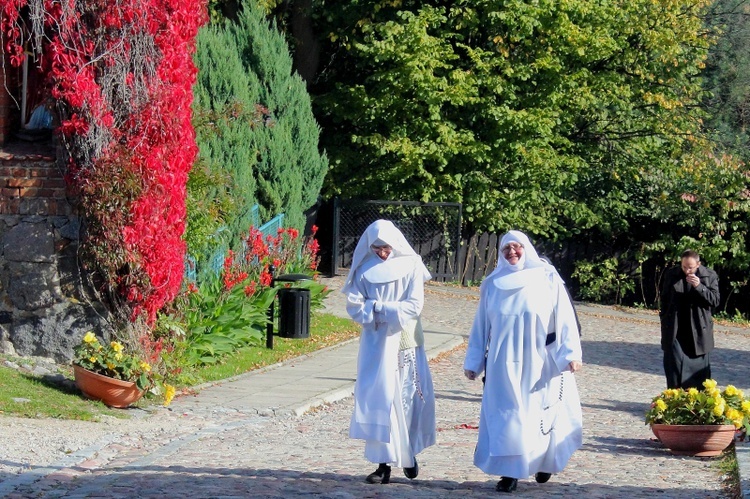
point(255, 130)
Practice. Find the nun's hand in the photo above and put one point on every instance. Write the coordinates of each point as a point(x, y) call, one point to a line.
point(574, 366)
point(470, 374)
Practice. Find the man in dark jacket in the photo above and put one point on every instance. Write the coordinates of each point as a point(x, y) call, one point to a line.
point(689, 293)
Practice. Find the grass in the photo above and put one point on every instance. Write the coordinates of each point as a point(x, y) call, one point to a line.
point(738, 319)
point(29, 396)
point(730, 471)
point(32, 397)
point(325, 330)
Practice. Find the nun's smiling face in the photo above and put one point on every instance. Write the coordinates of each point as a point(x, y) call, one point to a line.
point(382, 251)
point(512, 252)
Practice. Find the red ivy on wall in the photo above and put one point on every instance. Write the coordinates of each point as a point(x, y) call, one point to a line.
point(122, 73)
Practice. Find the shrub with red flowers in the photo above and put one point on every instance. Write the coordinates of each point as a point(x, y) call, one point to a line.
point(122, 75)
point(230, 310)
point(287, 251)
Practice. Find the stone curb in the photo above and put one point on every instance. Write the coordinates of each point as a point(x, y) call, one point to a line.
point(742, 451)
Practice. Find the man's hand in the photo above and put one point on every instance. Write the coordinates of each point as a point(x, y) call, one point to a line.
point(470, 374)
point(693, 280)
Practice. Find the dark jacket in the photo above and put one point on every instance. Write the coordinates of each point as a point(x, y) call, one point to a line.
point(701, 300)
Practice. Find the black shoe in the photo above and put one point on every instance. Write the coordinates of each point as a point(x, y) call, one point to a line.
point(542, 477)
point(507, 484)
point(381, 475)
point(411, 473)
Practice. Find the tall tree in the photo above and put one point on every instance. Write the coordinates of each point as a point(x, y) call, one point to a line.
point(543, 115)
point(727, 77)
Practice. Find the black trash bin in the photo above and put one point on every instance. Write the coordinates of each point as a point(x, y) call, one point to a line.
point(294, 308)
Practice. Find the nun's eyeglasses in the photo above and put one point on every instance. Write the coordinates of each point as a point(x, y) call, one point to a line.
point(511, 246)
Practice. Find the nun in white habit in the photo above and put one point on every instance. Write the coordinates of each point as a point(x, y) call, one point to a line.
point(394, 401)
point(525, 339)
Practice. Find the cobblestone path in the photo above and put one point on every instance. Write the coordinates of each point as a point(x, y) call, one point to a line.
point(311, 456)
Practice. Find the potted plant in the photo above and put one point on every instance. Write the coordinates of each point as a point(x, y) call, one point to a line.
point(697, 422)
point(107, 372)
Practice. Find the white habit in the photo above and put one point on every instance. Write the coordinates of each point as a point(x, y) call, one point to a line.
point(530, 419)
point(394, 401)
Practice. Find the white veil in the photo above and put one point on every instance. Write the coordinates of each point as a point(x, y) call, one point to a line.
point(402, 260)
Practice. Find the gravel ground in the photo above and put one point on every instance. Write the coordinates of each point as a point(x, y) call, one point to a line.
point(31, 443)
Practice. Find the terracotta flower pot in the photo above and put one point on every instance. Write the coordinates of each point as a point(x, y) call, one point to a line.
point(695, 440)
point(113, 392)
point(655, 430)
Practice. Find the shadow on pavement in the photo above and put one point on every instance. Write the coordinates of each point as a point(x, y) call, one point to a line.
point(640, 447)
point(458, 395)
point(635, 409)
point(201, 482)
point(728, 366)
point(623, 355)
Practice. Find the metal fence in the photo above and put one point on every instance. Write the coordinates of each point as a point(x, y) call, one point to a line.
point(216, 262)
point(433, 230)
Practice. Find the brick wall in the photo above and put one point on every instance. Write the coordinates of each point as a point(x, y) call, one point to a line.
point(32, 185)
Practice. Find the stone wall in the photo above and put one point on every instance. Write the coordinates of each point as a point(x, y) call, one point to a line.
point(45, 307)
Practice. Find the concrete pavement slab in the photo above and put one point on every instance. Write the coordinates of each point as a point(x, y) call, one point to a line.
point(300, 384)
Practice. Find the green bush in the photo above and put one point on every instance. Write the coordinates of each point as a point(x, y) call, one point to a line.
point(220, 320)
point(603, 281)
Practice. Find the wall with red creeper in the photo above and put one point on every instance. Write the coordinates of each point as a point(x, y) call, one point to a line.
point(45, 302)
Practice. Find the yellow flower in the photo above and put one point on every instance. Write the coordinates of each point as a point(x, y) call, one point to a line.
point(117, 347)
point(118, 357)
point(709, 384)
point(735, 416)
point(169, 392)
point(719, 408)
point(89, 337)
point(92, 359)
point(145, 366)
point(710, 405)
point(110, 365)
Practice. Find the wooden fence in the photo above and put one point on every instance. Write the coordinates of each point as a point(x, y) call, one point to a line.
point(477, 256)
